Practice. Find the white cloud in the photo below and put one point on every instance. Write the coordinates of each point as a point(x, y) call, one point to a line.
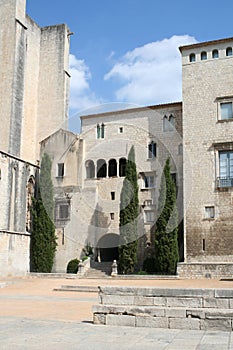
point(151, 74)
point(81, 95)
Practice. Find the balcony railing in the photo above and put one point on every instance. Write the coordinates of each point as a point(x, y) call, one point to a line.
point(223, 182)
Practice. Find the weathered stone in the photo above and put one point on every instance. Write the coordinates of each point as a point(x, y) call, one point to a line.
point(216, 303)
point(216, 324)
point(147, 321)
point(184, 302)
point(160, 301)
point(120, 320)
point(142, 300)
point(175, 312)
point(99, 318)
point(184, 323)
point(223, 293)
point(117, 299)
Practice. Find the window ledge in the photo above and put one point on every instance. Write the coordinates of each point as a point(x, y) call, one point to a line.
point(225, 120)
point(208, 219)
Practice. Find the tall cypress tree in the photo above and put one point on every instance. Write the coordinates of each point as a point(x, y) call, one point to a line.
point(129, 211)
point(43, 239)
point(166, 234)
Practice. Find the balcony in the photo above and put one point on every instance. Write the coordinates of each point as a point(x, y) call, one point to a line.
point(224, 182)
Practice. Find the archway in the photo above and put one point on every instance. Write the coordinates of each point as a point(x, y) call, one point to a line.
point(108, 247)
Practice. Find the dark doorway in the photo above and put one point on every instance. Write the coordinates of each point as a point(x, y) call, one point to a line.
point(108, 247)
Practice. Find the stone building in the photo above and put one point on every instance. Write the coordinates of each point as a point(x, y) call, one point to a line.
point(88, 173)
point(34, 92)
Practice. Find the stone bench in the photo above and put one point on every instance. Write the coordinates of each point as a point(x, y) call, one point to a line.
point(165, 308)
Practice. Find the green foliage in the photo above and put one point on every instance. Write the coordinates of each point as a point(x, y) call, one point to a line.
point(129, 211)
point(43, 239)
point(72, 266)
point(166, 234)
point(149, 265)
point(87, 250)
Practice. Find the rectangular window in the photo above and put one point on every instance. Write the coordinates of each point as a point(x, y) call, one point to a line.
point(149, 216)
point(121, 130)
point(151, 150)
point(226, 110)
point(225, 169)
point(62, 211)
point(209, 213)
point(148, 202)
point(112, 196)
point(149, 181)
point(60, 169)
point(112, 216)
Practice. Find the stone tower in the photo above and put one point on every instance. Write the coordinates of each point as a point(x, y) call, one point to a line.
point(208, 158)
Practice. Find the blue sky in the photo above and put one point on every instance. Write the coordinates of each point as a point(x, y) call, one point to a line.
point(126, 51)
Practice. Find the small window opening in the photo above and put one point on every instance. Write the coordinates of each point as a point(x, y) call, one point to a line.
point(112, 196)
point(60, 169)
point(215, 54)
point(112, 216)
point(192, 57)
point(152, 150)
point(229, 51)
point(204, 55)
point(121, 129)
point(209, 212)
point(203, 244)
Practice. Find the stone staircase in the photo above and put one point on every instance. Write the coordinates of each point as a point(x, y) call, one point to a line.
point(99, 270)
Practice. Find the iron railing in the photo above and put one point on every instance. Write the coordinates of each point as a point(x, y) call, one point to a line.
point(223, 182)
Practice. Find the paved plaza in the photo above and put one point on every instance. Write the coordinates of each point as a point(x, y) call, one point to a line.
point(35, 316)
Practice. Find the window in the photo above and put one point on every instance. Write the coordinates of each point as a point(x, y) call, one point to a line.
point(215, 54)
point(209, 212)
point(149, 216)
point(121, 130)
point(168, 123)
point(112, 167)
point(148, 202)
point(229, 51)
point(101, 168)
point(148, 181)
point(204, 55)
point(180, 149)
point(192, 57)
point(122, 165)
point(60, 169)
point(173, 176)
point(112, 196)
point(152, 150)
point(90, 169)
point(225, 169)
point(226, 110)
point(112, 216)
point(100, 131)
point(62, 210)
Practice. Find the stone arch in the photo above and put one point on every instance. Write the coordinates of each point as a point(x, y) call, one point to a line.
point(112, 167)
point(90, 169)
point(101, 168)
point(108, 247)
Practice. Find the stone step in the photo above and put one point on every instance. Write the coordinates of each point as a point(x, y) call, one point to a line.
point(86, 289)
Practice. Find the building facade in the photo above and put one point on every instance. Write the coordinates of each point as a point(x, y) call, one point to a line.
point(34, 91)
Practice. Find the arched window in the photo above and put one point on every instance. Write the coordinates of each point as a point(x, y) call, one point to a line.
point(122, 165)
point(112, 167)
point(215, 53)
point(152, 150)
point(204, 55)
point(229, 51)
point(192, 57)
point(165, 123)
point(90, 169)
point(168, 123)
point(98, 131)
point(171, 122)
point(101, 168)
point(102, 130)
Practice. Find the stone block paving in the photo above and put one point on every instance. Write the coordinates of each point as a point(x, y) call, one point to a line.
point(34, 316)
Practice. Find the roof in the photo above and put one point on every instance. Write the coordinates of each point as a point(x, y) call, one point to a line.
point(136, 109)
point(206, 43)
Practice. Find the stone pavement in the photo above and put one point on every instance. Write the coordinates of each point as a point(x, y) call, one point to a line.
point(34, 316)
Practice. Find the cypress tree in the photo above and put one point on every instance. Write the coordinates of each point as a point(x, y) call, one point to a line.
point(166, 234)
point(43, 239)
point(129, 211)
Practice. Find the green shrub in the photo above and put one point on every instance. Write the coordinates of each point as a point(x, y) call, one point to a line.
point(72, 266)
point(149, 265)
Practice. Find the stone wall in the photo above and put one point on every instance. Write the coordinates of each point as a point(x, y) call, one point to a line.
point(205, 270)
point(204, 309)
